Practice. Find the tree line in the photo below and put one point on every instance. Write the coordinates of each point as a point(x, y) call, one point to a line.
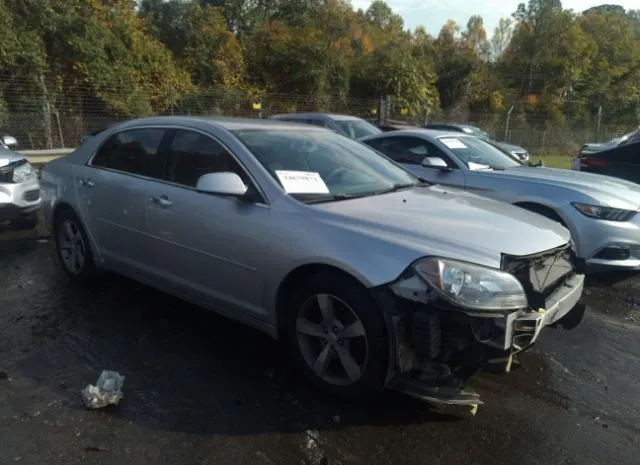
point(126, 58)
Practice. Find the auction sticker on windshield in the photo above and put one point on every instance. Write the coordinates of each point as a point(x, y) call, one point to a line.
point(302, 182)
point(453, 143)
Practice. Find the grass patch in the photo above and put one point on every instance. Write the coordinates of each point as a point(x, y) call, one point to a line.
point(554, 161)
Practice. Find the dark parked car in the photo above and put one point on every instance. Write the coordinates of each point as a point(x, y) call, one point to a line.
point(388, 127)
point(513, 150)
point(350, 126)
point(622, 162)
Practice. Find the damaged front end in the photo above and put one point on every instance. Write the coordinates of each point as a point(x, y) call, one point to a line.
point(448, 319)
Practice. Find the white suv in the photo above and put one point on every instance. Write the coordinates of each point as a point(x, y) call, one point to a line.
point(19, 192)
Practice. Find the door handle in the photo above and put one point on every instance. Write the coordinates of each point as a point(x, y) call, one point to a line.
point(87, 182)
point(162, 201)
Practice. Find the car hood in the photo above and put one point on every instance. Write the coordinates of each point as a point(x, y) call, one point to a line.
point(604, 188)
point(7, 156)
point(447, 222)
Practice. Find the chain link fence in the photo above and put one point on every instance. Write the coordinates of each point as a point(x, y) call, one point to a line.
point(61, 122)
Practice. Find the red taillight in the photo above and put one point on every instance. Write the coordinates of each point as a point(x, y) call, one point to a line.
point(589, 162)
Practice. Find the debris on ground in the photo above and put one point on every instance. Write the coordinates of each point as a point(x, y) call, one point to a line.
point(107, 391)
point(43, 240)
point(95, 449)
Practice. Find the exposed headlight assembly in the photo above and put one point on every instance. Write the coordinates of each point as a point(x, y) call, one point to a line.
point(471, 286)
point(604, 213)
point(22, 173)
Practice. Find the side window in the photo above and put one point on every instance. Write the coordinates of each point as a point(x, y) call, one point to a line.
point(192, 155)
point(409, 150)
point(134, 151)
point(316, 122)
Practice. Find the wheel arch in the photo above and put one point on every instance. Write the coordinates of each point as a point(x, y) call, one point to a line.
point(58, 209)
point(66, 206)
point(297, 276)
point(542, 209)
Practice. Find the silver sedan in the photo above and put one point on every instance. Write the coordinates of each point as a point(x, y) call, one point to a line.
point(372, 277)
point(600, 211)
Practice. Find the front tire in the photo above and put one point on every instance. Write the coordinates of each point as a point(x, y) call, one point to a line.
point(337, 336)
point(72, 247)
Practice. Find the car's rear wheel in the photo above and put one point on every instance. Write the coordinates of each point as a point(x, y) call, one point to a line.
point(337, 336)
point(72, 246)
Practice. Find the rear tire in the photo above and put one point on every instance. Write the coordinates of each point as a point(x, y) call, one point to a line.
point(337, 336)
point(73, 247)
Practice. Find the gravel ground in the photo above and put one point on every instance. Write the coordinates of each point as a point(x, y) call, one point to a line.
point(202, 390)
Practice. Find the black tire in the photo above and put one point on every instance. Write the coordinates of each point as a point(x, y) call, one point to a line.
point(88, 270)
point(350, 292)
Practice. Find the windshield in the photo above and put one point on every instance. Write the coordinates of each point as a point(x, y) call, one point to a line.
point(477, 154)
point(313, 165)
point(357, 128)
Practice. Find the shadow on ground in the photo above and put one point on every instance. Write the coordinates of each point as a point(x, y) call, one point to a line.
point(186, 369)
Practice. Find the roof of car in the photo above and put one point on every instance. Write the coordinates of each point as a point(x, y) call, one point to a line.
point(228, 123)
point(334, 116)
point(435, 133)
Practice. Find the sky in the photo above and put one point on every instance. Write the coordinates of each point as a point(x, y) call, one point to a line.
point(432, 14)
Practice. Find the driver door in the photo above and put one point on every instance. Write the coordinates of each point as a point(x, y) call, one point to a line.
point(205, 246)
point(411, 151)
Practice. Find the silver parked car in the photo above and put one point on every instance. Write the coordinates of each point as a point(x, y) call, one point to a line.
point(19, 192)
point(600, 211)
point(371, 277)
point(518, 152)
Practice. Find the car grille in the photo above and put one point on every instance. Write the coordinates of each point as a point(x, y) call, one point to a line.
point(6, 172)
point(543, 273)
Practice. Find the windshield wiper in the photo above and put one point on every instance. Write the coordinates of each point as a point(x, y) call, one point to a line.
point(394, 188)
point(334, 198)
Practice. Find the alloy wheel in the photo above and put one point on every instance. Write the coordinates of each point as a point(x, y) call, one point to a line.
point(332, 339)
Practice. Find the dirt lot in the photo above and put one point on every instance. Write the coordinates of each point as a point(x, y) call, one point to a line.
point(202, 390)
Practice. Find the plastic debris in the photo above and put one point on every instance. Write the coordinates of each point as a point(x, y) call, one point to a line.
point(107, 391)
point(95, 449)
point(474, 409)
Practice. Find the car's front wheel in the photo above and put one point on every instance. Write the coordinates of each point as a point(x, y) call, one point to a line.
point(72, 247)
point(338, 336)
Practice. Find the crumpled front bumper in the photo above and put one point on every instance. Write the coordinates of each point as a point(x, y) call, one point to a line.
point(486, 334)
point(522, 328)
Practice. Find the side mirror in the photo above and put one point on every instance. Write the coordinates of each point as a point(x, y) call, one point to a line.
point(435, 162)
point(224, 183)
point(9, 141)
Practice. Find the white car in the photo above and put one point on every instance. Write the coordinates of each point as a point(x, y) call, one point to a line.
point(19, 192)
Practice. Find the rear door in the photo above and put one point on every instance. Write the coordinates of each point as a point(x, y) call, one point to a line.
point(210, 247)
point(111, 191)
point(411, 151)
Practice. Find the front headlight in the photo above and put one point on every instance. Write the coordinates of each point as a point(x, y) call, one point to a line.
point(471, 286)
point(22, 173)
point(604, 213)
